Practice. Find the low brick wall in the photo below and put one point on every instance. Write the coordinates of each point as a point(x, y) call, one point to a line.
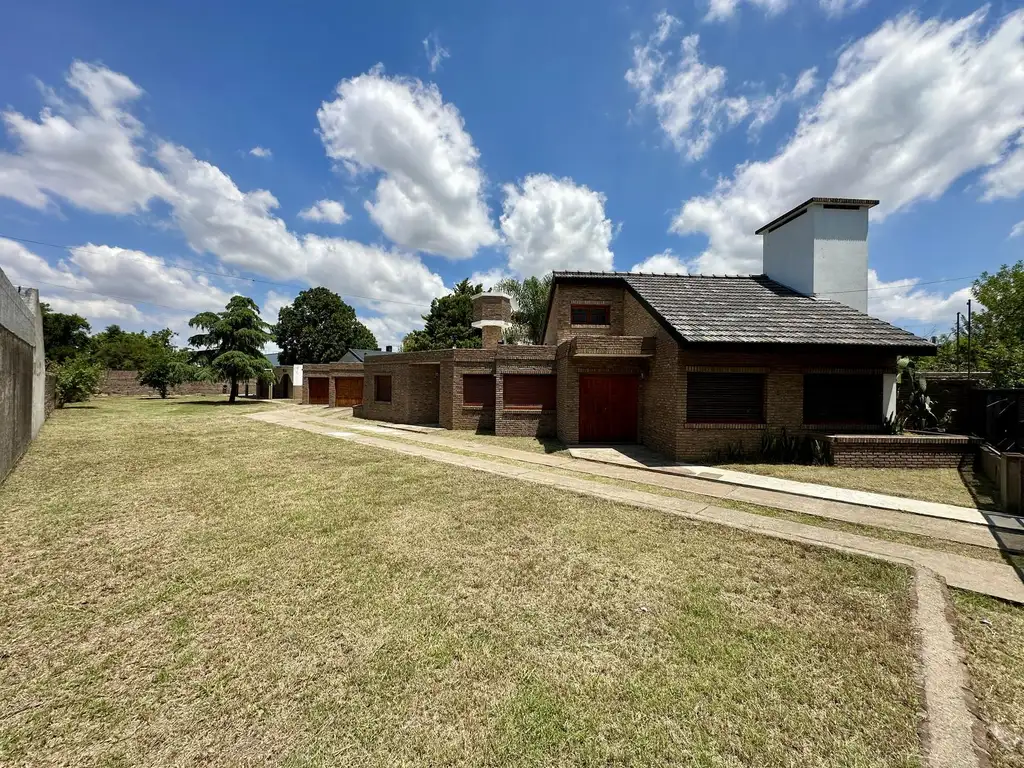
point(127, 383)
point(903, 451)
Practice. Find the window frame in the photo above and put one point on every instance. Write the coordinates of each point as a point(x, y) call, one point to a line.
point(759, 420)
point(588, 310)
point(541, 406)
point(489, 402)
point(377, 378)
point(875, 403)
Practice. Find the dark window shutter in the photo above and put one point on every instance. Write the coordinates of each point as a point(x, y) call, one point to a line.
point(478, 389)
point(842, 398)
point(524, 391)
point(726, 398)
point(589, 314)
point(382, 389)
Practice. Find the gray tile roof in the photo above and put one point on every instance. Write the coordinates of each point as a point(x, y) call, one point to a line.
point(756, 310)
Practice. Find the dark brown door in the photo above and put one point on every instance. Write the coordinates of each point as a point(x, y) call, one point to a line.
point(319, 388)
point(348, 390)
point(608, 409)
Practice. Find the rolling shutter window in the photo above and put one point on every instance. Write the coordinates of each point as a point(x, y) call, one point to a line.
point(725, 398)
point(478, 389)
point(382, 389)
point(530, 392)
point(842, 398)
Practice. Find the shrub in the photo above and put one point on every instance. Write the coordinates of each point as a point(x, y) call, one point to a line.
point(76, 380)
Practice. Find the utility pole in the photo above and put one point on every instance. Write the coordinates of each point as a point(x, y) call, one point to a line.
point(957, 356)
point(969, 317)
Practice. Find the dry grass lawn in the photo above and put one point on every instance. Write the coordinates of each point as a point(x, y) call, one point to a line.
point(945, 486)
point(183, 586)
point(992, 633)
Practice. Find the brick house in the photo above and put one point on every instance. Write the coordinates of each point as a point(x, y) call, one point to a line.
point(685, 364)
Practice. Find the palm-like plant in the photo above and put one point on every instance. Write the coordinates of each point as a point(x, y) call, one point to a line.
point(530, 307)
point(232, 346)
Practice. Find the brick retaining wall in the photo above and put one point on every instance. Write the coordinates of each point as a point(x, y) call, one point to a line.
point(903, 451)
point(127, 383)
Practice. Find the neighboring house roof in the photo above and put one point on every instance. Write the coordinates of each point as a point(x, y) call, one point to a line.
point(272, 358)
point(704, 309)
point(355, 355)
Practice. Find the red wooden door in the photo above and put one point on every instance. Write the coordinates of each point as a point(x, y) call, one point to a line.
point(348, 390)
point(319, 390)
point(608, 409)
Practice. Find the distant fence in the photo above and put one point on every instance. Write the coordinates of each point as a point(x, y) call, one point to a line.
point(22, 372)
point(997, 415)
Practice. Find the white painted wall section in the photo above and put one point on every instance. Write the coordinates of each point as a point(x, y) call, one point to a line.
point(888, 395)
point(841, 255)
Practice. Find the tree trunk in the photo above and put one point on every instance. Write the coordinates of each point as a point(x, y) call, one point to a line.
point(234, 390)
point(163, 392)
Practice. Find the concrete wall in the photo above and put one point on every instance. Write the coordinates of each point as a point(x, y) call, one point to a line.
point(22, 372)
point(788, 253)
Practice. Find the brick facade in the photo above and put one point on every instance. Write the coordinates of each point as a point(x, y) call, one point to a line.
point(330, 371)
point(560, 327)
point(127, 383)
point(903, 451)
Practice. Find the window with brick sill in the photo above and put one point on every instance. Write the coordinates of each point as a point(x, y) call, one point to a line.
point(478, 390)
point(590, 314)
point(725, 398)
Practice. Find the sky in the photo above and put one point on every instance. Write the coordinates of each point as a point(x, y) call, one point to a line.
point(156, 158)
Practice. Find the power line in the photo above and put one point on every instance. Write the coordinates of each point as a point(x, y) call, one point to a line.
point(121, 253)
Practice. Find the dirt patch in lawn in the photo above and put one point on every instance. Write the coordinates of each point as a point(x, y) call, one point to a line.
point(181, 585)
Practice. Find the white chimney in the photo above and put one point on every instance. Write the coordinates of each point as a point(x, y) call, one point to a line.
point(820, 248)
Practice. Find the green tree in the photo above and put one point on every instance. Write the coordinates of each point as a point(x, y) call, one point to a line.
point(318, 327)
point(449, 324)
point(122, 350)
point(76, 380)
point(167, 368)
point(232, 346)
point(64, 336)
point(530, 299)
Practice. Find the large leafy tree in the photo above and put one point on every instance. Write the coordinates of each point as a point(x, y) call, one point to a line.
point(64, 336)
point(997, 333)
point(122, 350)
point(530, 301)
point(318, 327)
point(166, 368)
point(231, 346)
point(449, 323)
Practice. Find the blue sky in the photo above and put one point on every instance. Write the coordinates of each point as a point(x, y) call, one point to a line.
point(429, 142)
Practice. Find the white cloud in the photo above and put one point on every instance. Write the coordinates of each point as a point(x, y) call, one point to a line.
point(85, 153)
point(330, 211)
point(272, 304)
point(489, 278)
point(260, 152)
point(900, 301)
point(435, 52)
point(94, 310)
point(836, 8)
point(430, 196)
point(1006, 179)
point(389, 330)
point(1018, 229)
point(554, 223)
point(665, 262)
point(898, 120)
point(689, 97)
point(720, 10)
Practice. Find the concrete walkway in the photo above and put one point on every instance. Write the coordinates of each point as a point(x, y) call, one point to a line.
point(948, 530)
point(641, 458)
point(982, 576)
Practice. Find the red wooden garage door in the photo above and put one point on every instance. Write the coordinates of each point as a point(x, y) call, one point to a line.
point(348, 390)
point(608, 409)
point(318, 390)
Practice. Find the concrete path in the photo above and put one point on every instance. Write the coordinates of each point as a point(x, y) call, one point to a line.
point(975, 575)
point(950, 728)
point(639, 458)
point(948, 530)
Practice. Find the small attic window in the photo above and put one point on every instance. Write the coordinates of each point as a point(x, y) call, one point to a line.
point(590, 314)
point(840, 207)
